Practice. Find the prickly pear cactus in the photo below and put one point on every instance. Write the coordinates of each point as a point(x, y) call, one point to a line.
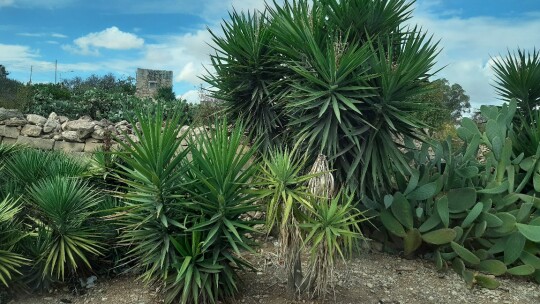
point(483, 219)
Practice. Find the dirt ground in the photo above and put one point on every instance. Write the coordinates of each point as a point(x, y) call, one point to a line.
point(369, 278)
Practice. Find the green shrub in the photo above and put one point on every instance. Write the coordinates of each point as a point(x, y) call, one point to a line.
point(10, 235)
point(468, 213)
point(65, 208)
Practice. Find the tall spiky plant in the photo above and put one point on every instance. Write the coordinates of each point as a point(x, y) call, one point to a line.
point(153, 175)
point(348, 74)
point(249, 75)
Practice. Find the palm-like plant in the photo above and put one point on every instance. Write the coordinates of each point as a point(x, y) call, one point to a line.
point(65, 207)
point(221, 174)
point(333, 229)
point(154, 173)
point(10, 235)
point(518, 76)
point(287, 197)
point(348, 74)
point(202, 276)
point(249, 75)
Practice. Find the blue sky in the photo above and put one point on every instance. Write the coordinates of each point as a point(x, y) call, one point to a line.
point(117, 36)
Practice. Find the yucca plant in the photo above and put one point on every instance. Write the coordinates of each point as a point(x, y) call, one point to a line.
point(348, 73)
point(284, 189)
point(154, 174)
point(221, 177)
point(65, 207)
point(333, 231)
point(10, 235)
point(249, 75)
point(518, 76)
point(202, 275)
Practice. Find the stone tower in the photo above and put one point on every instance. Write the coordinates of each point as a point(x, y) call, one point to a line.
point(150, 81)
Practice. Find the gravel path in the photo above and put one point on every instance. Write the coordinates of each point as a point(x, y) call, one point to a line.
point(369, 278)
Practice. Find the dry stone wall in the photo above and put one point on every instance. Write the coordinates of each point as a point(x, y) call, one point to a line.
point(58, 132)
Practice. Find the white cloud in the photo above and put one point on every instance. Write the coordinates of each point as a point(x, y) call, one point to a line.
point(53, 35)
point(191, 96)
point(469, 43)
point(110, 38)
point(6, 3)
point(33, 3)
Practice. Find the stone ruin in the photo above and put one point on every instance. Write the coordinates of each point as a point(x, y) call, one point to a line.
point(150, 81)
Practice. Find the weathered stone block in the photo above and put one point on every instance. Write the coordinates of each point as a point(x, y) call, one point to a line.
point(9, 141)
point(92, 146)
point(31, 130)
point(68, 147)
point(11, 132)
point(36, 119)
point(16, 122)
point(71, 136)
point(83, 127)
point(38, 143)
point(9, 113)
point(51, 125)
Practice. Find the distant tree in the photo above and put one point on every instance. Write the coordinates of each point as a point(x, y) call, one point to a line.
point(3, 72)
point(13, 93)
point(442, 104)
point(107, 83)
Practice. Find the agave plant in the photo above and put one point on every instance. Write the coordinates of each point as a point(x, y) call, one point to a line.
point(10, 234)
point(65, 207)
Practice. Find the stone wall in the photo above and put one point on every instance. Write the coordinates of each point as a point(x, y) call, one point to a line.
point(149, 81)
point(58, 132)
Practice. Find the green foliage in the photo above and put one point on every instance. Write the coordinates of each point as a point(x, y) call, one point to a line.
point(165, 94)
point(14, 94)
point(518, 76)
point(479, 215)
point(182, 219)
point(10, 234)
point(331, 77)
point(443, 105)
point(107, 83)
point(65, 207)
point(327, 227)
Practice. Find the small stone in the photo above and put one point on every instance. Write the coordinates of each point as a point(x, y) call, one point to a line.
point(51, 125)
point(369, 285)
